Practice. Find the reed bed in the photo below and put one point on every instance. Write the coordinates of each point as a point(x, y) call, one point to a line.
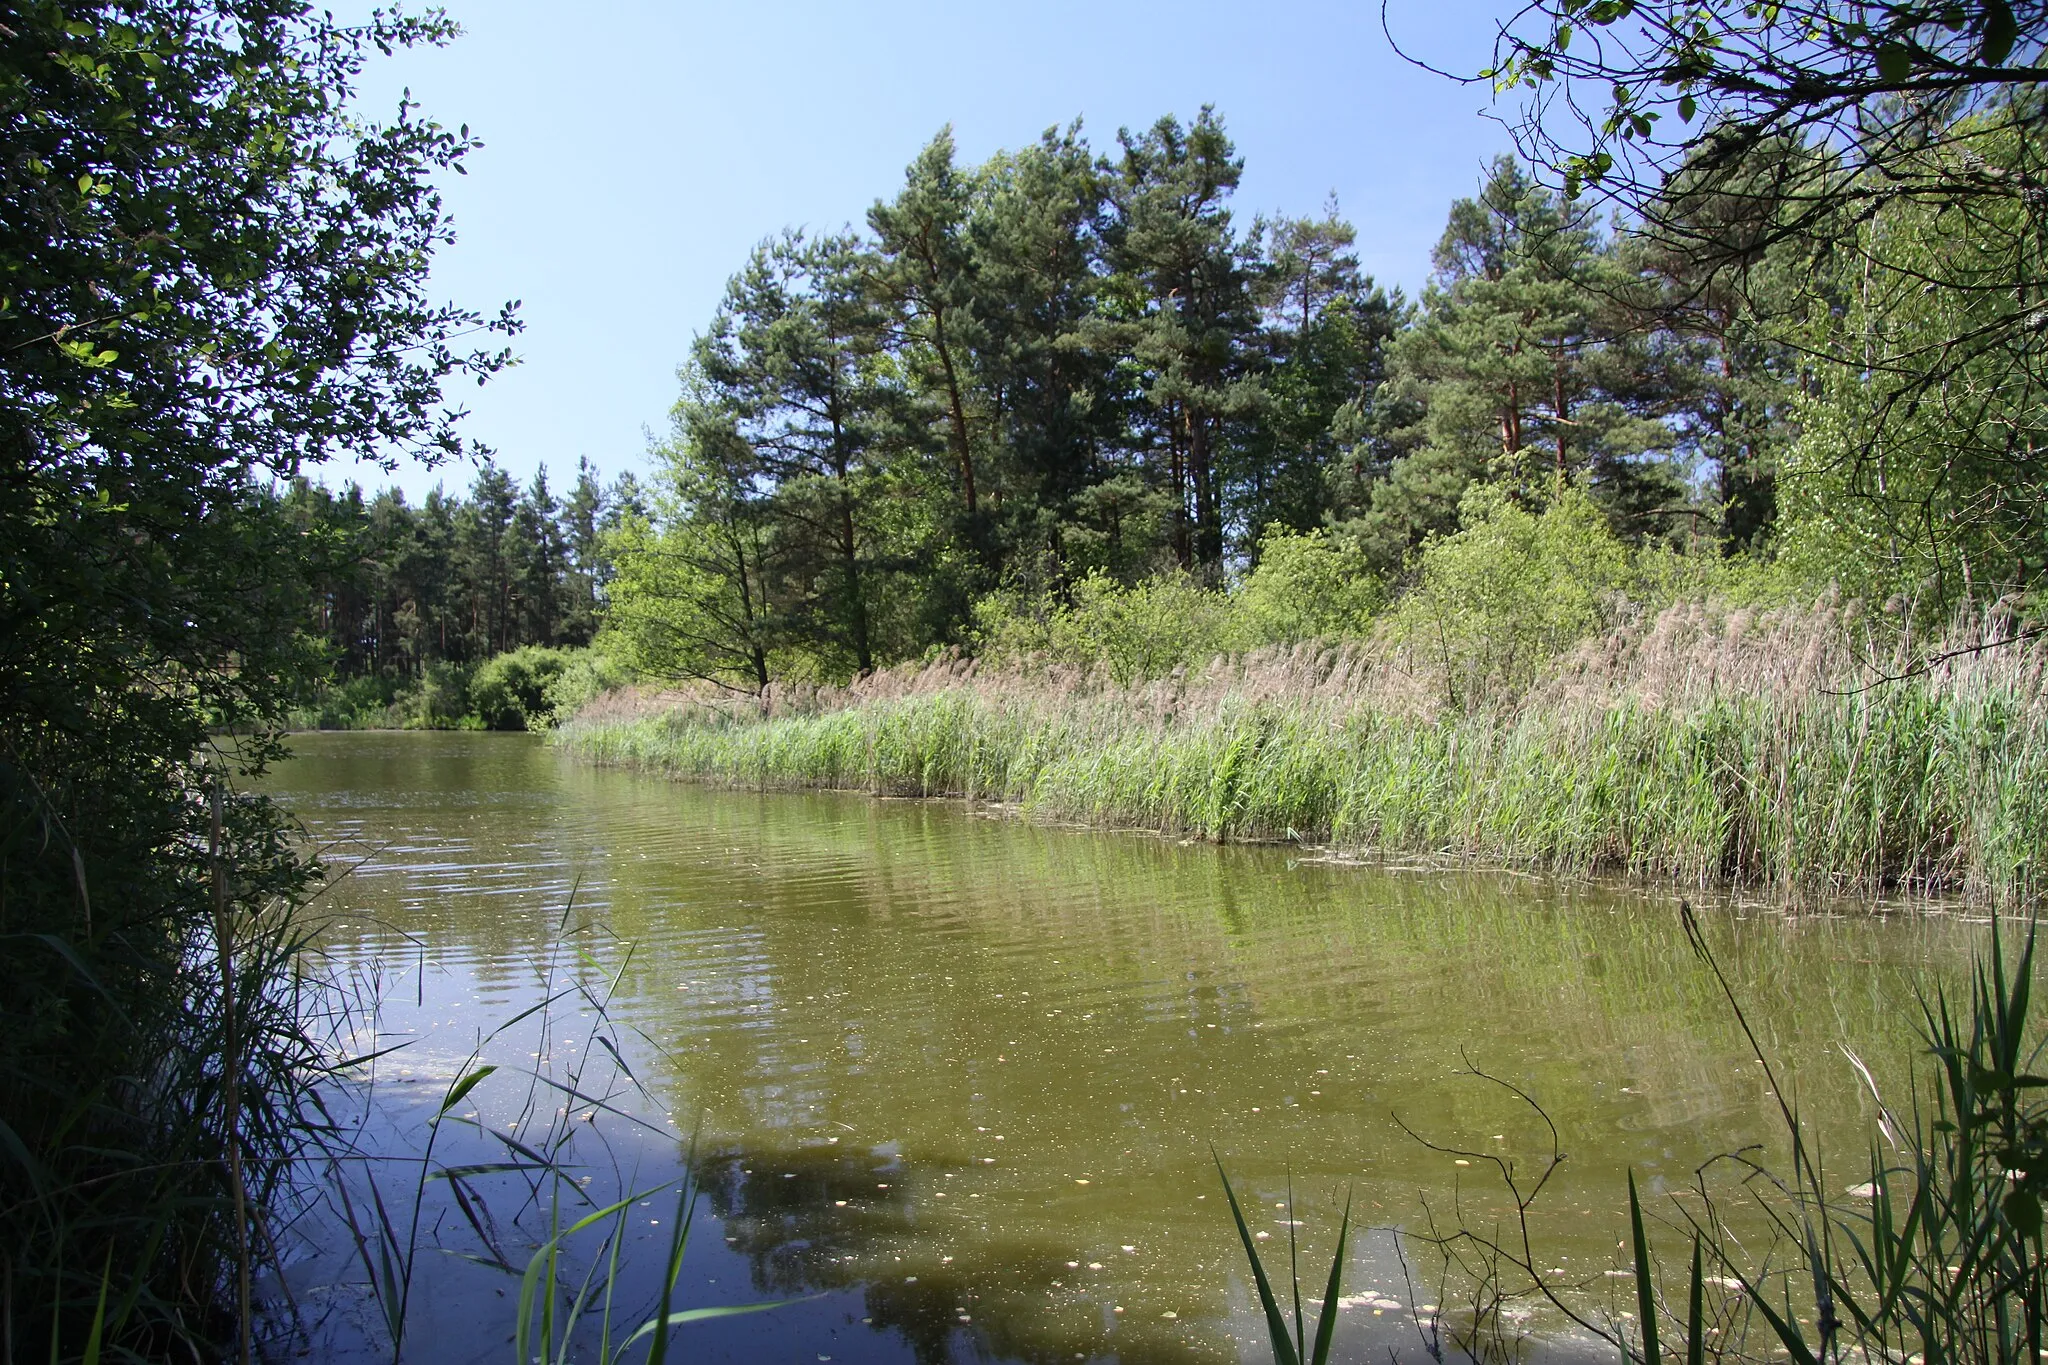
point(1810, 750)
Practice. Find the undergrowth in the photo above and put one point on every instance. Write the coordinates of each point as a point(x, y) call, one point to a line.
point(1782, 749)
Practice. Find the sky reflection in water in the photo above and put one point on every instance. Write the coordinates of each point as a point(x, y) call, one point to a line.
point(958, 1076)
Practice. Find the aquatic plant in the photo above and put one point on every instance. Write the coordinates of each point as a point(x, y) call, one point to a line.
point(156, 1081)
point(1704, 745)
point(1938, 1256)
point(1294, 1349)
point(553, 1302)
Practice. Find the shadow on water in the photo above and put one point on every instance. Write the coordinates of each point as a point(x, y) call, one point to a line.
point(1031, 1037)
point(825, 1220)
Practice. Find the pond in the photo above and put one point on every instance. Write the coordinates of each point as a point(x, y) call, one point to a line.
point(955, 1078)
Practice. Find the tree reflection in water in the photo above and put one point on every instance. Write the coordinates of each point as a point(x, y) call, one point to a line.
point(825, 1218)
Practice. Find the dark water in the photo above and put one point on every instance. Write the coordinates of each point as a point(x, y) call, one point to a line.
point(958, 1077)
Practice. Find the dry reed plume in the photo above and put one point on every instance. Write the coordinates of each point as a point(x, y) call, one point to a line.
point(1810, 750)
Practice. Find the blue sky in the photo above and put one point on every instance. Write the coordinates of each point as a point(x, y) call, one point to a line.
point(635, 151)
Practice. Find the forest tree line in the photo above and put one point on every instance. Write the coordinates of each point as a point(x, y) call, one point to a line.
point(1061, 374)
point(1059, 364)
point(402, 595)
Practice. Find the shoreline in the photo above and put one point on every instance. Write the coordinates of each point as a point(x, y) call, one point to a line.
point(1902, 793)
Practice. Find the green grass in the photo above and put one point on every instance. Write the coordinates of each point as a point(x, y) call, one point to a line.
point(1914, 785)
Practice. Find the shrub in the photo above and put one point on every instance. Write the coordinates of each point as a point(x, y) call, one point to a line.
point(439, 701)
point(589, 674)
point(510, 691)
point(1144, 630)
point(1510, 590)
point(1308, 586)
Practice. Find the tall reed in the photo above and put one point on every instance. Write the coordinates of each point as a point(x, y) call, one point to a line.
point(1936, 1257)
point(394, 1201)
point(155, 1080)
point(1780, 749)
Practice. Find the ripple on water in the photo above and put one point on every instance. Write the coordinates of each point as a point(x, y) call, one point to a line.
point(943, 1063)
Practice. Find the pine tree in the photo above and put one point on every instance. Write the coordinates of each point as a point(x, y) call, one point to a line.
point(1049, 399)
point(1326, 327)
point(792, 361)
point(924, 276)
point(1519, 369)
point(483, 527)
point(1182, 314)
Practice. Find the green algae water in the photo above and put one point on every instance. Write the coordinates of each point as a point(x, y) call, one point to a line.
point(955, 1078)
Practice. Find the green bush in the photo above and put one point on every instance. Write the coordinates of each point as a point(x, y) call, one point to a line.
point(1143, 630)
point(1308, 585)
point(348, 704)
point(439, 701)
point(509, 691)
point(1510, 590)
point(589, 674)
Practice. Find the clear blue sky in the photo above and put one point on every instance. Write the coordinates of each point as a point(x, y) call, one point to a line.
point(636, 150)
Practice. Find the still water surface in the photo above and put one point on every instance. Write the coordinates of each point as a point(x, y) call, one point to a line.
point(957, 1076)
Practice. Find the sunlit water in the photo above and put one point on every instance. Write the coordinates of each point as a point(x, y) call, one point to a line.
point(956, 1077)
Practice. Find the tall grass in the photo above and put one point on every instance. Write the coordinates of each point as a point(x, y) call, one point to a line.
point(395, 1199)
point(1704, 745)
point(1937, 1257)
point(156, 1084)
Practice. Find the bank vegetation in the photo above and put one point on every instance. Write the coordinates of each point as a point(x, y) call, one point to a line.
point(1810, 750)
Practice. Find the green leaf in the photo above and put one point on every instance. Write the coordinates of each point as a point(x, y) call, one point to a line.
point(1695, 1316)
point(464, 1086)
point(1326, 1321)
point(1687, 107)
point(1894, 63)
point(731, 1310)
point(1646, 1294)
point(1276, 1321)
point(2000, 32)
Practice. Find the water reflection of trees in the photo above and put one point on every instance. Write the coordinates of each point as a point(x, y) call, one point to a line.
point(846, 961)
point(825, 1218)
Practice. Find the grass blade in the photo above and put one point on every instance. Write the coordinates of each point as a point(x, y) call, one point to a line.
point(1789, 1335)
point(463, 1087)
point(679, 1240)
point(729, 1310)
point(1646, 1293)
point(96, 1333)
point(1696, 1317)
point(1326, 1321)
point(1276, 1320)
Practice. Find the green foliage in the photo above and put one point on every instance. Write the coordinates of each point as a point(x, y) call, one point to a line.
point(794, 396)
point(1526, 364)
point(510, 691)
point(691, 594)
point(1501, 597)
point(1142, 631)
point(1307, 586)
point(1917, 471)
point(440, 702)
point(588, 675)
point(1803, 153)
point(215, 268)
